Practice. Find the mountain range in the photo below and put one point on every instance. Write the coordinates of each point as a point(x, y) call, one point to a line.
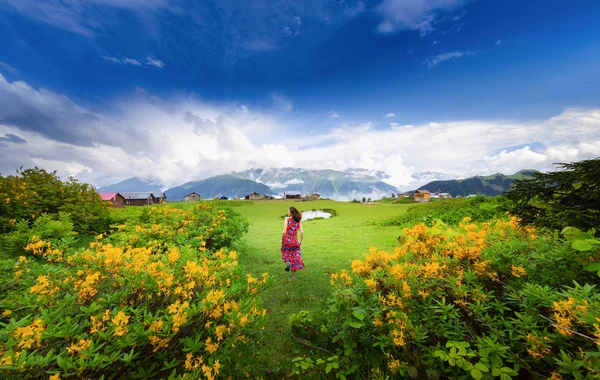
point(492, 185)
point(342, 186)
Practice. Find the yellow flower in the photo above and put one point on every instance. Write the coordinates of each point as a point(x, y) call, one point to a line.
point(120, 320)
point(156, 326)
point(518, 271)
point(6, 313)
point(56, 376)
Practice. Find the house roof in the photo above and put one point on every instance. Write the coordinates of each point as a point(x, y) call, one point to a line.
point(423, 192)
point(137, 195)
point(309, 194)
point(292, 193)
point(107, 196)
point(254, 192)
point(158, 194)
point(193, 192)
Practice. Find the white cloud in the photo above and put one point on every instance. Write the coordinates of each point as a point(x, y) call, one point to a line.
point(420, 15)
point(391, 114)
point(77, 16)
point(333, 114)
point(281, 102)
point(184, 139)
point(130, 61)
point(151, 61)
point(432, 62)
point(112, 59)
point(6, 67)
point(259, 45)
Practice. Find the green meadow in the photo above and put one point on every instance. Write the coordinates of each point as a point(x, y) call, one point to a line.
point(329, 246)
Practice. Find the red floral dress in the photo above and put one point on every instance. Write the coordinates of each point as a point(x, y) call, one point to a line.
point(290, 247)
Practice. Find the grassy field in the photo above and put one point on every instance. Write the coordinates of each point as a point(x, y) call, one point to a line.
point(329, 246)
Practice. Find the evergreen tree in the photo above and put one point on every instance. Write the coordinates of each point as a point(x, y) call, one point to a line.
point(569, 197)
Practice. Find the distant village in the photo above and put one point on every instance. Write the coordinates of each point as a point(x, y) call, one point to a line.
point(119, 200)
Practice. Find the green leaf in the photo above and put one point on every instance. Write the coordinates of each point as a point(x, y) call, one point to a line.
point(593, 267)
point(482, 367)
point(412, 372)
point(476, 374)
point(359, 313)
point(356, 324)
point(582, 245)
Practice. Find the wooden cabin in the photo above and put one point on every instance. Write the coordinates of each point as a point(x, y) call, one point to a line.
point(139, 199)
point(292, 195)
point(160, 196)
point(116, 200)
point(422, 196)
point(312, 196)
point(193, 196)
point(253, 196)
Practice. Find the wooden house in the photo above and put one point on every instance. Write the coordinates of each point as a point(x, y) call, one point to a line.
point(220, 197)
point(193, 196)
point(292, 195)
point(116, 200)
point(139, 199)
point(312, 196)
point(422, 196)
point(160, 196)
point(253, 196)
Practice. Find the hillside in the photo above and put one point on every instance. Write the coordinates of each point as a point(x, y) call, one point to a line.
point(492, 185)
point(227, 185)
point(133, 184)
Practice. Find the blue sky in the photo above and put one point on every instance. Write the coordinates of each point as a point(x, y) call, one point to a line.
point(231, 85)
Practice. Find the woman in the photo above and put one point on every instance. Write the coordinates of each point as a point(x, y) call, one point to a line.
point(290, 246)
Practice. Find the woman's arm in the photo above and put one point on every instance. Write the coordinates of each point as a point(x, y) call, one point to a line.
point(284, 228)
point(301, 233)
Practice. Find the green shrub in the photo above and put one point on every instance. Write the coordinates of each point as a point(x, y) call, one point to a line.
point(489, 300)
point(149, 301)
point(451, 211)
point(33, 192)
point(56, 229)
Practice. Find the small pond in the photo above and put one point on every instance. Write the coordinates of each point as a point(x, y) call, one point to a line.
point(308, 215)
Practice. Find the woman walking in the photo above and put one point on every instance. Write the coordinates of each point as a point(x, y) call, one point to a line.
point(290, 245)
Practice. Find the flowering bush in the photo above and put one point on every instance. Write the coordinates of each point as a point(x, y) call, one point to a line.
point(160, 298)
point(475, 301)
point(33, 192)
point(451, 211)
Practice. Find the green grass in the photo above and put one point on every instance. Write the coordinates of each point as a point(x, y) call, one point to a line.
point(329, 246)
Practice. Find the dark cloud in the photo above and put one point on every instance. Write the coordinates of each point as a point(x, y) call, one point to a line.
point(10, 138)
point(56, 117)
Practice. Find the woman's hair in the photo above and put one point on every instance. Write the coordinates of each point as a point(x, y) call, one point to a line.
point(297, 215)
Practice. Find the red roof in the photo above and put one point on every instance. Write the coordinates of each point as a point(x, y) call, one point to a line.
point(107, 196)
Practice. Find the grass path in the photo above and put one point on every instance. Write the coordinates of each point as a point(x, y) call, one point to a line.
point(330, 245)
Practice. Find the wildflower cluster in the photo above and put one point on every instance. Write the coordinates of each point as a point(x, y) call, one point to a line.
point(488, 299)
point(156, 298)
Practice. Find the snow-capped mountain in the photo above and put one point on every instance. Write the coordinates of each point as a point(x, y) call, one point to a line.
point(348, 185)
